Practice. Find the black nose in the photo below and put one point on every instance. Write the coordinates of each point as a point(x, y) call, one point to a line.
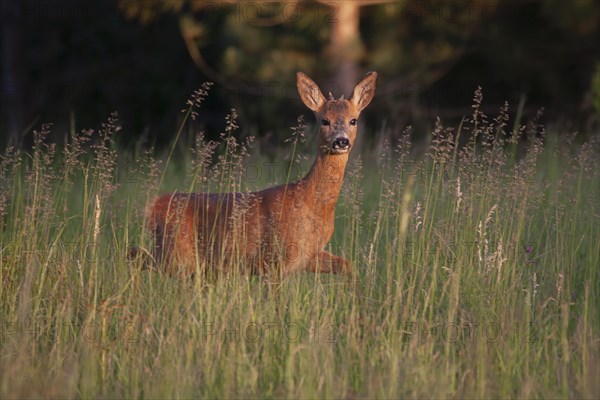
point(341, 143)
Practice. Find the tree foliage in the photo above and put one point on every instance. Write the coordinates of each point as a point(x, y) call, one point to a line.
point(81, 60)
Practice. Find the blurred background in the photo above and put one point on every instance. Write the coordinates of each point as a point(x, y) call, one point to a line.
point(73, 62)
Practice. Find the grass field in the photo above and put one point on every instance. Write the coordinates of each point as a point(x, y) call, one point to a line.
point(478, 273)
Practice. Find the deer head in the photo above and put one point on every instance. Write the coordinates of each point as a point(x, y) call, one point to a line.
point(338, 118)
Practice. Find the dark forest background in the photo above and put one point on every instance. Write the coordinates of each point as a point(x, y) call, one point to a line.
point(74, 62)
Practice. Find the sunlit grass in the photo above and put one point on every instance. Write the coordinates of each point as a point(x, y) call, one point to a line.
point(478, 274)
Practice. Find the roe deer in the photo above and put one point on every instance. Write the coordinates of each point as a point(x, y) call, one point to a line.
point(288, 224)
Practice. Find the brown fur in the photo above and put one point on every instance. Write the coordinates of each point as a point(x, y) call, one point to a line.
point(287, 225)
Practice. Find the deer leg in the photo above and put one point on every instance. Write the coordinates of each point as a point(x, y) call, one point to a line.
point(331, 264)
point(144, 256)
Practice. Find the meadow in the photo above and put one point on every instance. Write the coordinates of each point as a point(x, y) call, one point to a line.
point(477, 260)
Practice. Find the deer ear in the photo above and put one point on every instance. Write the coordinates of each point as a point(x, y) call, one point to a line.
point(309, 92)
point(364, 91)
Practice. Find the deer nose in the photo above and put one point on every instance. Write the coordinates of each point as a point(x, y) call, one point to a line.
point(341, 143)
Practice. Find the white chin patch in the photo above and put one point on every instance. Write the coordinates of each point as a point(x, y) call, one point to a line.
point(337, 150)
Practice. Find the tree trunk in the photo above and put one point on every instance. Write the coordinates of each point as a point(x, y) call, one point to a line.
point(346, 45)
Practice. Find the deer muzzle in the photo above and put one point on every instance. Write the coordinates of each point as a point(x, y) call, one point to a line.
point(340, 145)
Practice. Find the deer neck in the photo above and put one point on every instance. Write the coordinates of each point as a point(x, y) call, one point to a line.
point(324, 181)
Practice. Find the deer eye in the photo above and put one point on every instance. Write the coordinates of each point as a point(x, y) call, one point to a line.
point(353, 121)
point(325, 122)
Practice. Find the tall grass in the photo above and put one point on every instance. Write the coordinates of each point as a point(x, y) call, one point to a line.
point(478, 273)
